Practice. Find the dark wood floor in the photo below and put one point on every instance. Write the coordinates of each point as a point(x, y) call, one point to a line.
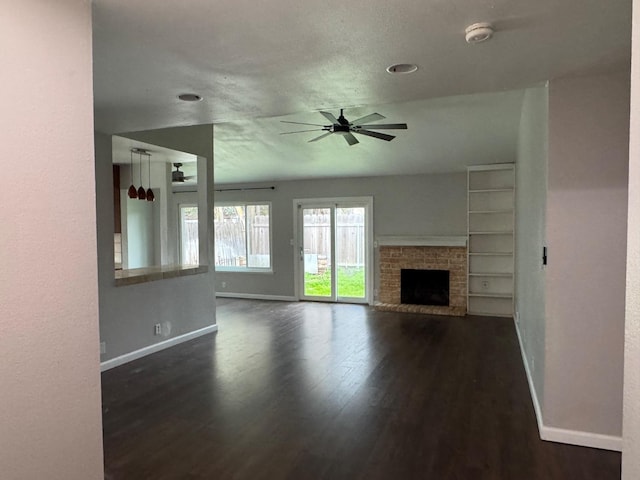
point(321, 391)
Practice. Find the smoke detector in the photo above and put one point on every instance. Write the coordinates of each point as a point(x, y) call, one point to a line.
point(478, 32)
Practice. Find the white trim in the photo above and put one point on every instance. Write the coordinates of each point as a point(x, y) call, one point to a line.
point(532, 387)
point(156, 347)
point(423, 241)
point(583, 439)
point(561, 435)
point(492, 166)
point(329, 201)
point(257, 296)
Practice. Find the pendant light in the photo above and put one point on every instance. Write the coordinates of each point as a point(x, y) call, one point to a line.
point(150, 196)
point(142, 194)
point(132, 192)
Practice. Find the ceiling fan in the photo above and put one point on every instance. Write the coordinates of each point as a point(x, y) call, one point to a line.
point(177, 176)
point(346, 129)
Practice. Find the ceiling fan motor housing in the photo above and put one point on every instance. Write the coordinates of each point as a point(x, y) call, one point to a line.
point(177, 175)
point(341, 128)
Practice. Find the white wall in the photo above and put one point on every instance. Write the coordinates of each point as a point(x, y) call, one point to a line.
point(50, 415)
point(631, 427)
point(403, 205)
point(181, 305)
point(531, 193)
point(586, 235)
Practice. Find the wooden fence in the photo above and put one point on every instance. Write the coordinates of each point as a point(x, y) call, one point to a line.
point(350, 237)
point(231, 241)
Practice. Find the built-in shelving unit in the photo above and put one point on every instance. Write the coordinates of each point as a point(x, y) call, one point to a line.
point(490, 230)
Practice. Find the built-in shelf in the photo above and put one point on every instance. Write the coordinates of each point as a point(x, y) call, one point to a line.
point(490, 211)
point(490, 295)
point(482, 274)
point(489, 314)
point(490, 231)
point(491, 190)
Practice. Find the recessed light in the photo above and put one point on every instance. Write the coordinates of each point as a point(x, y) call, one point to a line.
point(402, 68)
point(478, 32)
point(189, 97)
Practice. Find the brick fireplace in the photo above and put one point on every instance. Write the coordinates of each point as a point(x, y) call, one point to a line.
point(433, 255)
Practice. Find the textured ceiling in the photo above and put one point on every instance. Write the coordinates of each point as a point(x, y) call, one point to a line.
point(252, 61)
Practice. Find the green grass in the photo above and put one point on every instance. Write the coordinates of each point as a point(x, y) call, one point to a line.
point(350, 283)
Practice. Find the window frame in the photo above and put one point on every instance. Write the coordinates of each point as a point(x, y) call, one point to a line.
point(180, 233)
point(236, 269)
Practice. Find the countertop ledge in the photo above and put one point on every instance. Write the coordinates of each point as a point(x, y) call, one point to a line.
point(152, 274)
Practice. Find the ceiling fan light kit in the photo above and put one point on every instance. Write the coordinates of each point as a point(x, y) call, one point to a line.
point(177, 175)
point(346, 129)
point(478, 32)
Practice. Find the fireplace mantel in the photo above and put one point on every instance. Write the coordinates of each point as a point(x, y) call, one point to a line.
point(421, 241)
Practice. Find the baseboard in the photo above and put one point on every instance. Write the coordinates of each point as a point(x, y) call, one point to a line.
point(156, 347)
point(256, 296)
point(532, 386)
point(561, 435)
point(583, 439)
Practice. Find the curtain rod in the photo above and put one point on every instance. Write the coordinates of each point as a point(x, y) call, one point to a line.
point(243, 189)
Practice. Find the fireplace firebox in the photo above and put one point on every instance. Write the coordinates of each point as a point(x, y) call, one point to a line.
point(424, 287)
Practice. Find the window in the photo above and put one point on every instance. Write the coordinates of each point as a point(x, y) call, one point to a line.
point(189, 251)
point(242, 236)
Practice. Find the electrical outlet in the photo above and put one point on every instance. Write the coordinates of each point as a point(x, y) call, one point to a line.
point(224, 284)
point(157, 329)
point(485, 284)
point(103, 348)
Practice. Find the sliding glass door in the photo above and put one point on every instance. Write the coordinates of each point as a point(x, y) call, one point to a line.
point(333, 244)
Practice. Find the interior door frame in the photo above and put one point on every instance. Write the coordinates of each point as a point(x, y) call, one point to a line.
point(367, 203)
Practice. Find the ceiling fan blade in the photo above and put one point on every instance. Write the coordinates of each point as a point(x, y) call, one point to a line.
point(300, 131)
point(374, 117)
point(301, 123)
point(381, 136)
point(331, 117)
point(351, 140)
point(383, 126)
point(320, 137)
